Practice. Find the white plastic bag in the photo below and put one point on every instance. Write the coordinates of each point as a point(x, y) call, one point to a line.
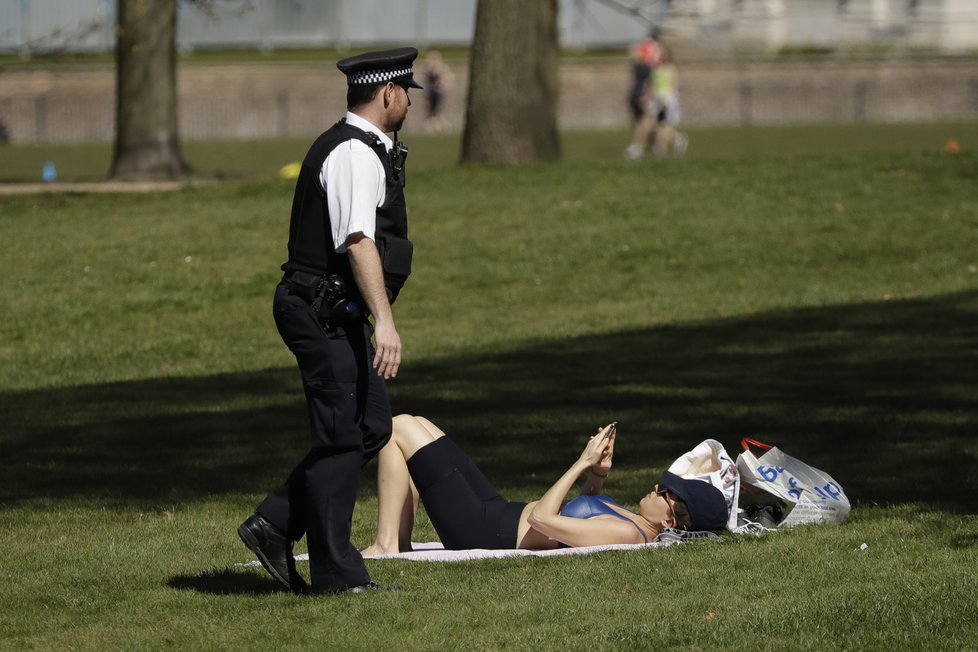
point(802, 493)
point(709, 462)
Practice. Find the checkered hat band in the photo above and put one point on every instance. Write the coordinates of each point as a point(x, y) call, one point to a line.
point(381, 76)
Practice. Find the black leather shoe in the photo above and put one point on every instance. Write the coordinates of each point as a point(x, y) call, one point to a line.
point(274, 551)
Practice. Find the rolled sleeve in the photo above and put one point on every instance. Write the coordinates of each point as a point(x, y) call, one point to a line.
point(353, 178)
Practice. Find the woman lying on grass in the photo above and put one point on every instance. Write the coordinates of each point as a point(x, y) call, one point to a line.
point(421, 462)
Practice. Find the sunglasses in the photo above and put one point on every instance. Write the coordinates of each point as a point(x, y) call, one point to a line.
point(669, 498)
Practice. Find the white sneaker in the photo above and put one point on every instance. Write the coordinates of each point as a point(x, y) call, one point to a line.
point(634, 152)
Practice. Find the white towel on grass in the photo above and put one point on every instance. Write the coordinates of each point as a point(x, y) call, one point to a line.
point(435, 551)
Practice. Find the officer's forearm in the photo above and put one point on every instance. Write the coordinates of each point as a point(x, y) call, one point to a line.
point(369, 276)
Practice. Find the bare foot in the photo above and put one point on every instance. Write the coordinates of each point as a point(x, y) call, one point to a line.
point(376, 550)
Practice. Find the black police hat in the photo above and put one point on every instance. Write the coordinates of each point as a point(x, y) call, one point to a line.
point(380, 67)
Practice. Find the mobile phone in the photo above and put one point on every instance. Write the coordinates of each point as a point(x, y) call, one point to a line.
point(612, 427)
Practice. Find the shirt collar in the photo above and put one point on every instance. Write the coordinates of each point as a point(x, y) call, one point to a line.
point(361, 123)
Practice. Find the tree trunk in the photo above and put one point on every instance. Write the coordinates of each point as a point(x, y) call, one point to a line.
point(147, 144)
point(511, 114)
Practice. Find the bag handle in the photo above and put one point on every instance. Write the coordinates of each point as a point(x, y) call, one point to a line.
point(747, 442)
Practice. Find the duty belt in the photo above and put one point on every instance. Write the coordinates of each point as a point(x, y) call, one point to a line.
point(328, 295)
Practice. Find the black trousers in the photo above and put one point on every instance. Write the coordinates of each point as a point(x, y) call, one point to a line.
point(464, 507)
point(350, 419)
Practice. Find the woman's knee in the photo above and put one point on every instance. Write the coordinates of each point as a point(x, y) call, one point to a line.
point(401, 421)
point(432, 429)
point(410, 434)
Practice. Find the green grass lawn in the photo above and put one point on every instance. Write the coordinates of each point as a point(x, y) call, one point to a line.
point(261, 160)
point(815, 288)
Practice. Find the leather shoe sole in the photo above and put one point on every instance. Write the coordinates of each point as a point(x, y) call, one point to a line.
point(258, 535)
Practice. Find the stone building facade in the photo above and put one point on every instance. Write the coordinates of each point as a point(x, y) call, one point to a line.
point(719, 27)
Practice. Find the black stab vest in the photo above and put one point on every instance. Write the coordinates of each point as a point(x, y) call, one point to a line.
point(310, 234)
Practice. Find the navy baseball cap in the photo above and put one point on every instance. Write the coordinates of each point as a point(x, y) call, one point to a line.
point(380, 67)
point(706, 505)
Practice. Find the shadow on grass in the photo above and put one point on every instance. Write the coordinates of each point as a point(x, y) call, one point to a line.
point(227, 582)
point(965, 541)
point(884, 396)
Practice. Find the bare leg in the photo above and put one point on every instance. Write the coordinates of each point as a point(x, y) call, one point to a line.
point(640, 138)
point(397, 496)
point(433, 431)
point(394, 499)
point(665, 135)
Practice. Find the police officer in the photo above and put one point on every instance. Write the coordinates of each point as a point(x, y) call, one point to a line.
point(349, 256)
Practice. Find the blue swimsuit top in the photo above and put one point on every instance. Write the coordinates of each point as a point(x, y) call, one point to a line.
point(588, 506)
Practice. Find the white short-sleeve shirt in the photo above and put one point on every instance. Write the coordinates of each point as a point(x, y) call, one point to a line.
point(355, 184)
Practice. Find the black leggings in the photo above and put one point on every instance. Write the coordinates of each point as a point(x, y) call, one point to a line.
point(465, 509)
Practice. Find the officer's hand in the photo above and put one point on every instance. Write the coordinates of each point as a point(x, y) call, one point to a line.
point(388, 356)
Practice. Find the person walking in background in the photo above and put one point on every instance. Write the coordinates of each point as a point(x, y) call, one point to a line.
point(437, 81)
point(644, 58)
point(665, 110)
point(348, 257)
